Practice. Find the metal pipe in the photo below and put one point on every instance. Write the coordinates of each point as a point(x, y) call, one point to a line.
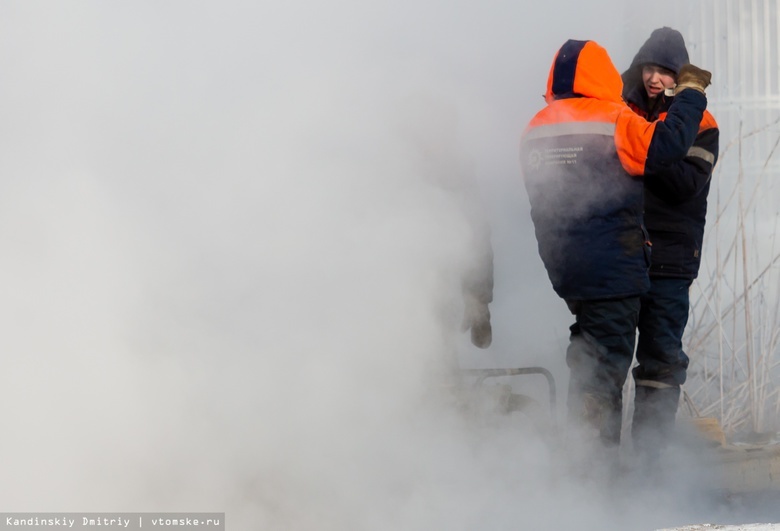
point(482, 374)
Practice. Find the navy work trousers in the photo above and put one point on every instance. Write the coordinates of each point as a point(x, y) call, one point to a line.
point(600, 353)
point(662, 319)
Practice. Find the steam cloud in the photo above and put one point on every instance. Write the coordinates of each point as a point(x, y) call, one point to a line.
point(231, 279)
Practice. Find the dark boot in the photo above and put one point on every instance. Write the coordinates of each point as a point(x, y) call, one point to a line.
point(604, 414)
point(599, 413)
point(594, 436)
point(655, 409)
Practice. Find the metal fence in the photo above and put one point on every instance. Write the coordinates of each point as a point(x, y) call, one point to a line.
point(733, 335)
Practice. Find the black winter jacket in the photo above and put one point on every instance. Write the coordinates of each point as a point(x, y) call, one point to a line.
point(676, 194)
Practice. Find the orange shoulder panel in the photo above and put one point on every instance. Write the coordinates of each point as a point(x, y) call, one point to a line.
point(707, 121)
point(576, 110)
point(632, 136)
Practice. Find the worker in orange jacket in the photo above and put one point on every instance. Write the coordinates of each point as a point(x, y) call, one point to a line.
point(583, 159)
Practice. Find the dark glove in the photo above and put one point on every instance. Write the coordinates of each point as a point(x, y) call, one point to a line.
point(692, 77)
point(476, 316)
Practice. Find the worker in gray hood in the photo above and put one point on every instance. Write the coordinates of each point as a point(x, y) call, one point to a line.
point(675, 210)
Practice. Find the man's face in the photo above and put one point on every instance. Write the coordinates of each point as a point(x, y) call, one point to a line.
point(657, 79)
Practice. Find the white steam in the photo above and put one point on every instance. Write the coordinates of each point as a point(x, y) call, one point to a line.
point(230, 277)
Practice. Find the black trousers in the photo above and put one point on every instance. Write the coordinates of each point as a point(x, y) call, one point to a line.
point(600, 353)
point(662, 319)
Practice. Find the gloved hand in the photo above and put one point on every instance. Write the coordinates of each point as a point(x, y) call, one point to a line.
point(476, 316)
point(692, 77)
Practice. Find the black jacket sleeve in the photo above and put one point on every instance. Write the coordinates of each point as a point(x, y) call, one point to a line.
point(675, 135)
point(683, 180)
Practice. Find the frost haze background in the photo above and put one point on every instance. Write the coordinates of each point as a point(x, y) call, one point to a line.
point(227, 259)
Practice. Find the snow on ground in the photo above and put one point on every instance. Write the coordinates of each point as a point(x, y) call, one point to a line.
point(708, 527)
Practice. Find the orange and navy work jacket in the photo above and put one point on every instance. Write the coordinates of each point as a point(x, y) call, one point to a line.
point(583, 158)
